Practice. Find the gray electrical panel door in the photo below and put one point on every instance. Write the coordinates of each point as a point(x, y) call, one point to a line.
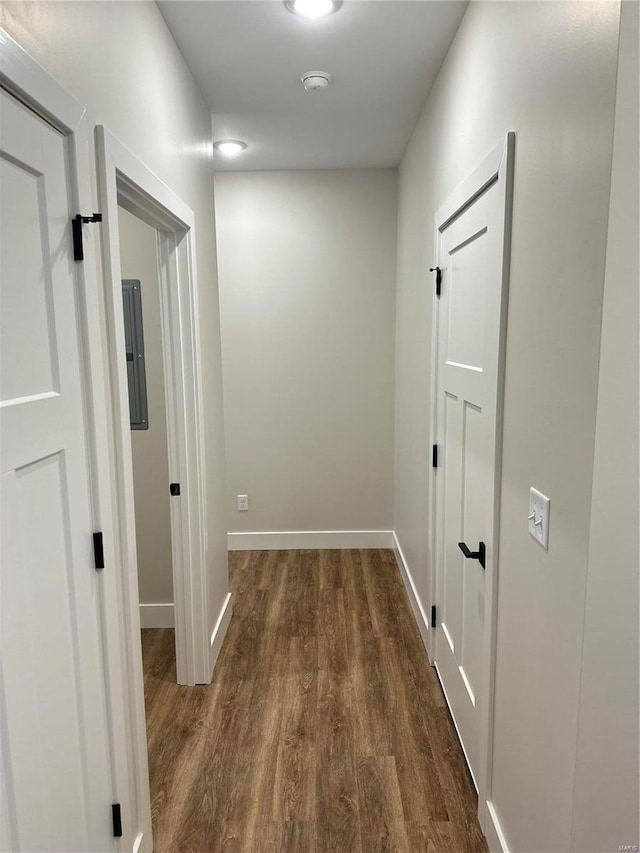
point(134, 345)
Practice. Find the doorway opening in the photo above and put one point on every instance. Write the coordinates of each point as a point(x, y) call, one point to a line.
point(145, 355)
point(129, 188)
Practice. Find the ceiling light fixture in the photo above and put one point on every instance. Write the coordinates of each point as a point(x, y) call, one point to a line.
point(315, 81)
point(229, 147)
point(313, 8)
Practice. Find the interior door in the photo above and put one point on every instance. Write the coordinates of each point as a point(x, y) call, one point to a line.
point(470, 329)
point(56, 775)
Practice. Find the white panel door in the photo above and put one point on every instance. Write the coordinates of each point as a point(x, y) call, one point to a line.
point(56, 774)
point(472, 247)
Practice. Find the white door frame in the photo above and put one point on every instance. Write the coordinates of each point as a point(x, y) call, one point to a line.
point(123, 179)
point(498, 166)
point(33, 85)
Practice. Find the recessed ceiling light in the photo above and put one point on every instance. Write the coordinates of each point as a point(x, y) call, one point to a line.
point(230, 147)
point(315, 81)
point(313, 8)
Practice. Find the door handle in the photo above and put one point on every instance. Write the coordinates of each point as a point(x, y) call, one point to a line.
point(479, 555)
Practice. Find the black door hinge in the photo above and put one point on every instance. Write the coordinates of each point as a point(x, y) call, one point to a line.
point(116, 816)
point(98, 550)
point(174, 489)
point(433, 616)
point(438, 273)
point(434, 456)
point(76, 229)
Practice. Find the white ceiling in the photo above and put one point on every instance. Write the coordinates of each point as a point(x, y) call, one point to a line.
point(247, 57)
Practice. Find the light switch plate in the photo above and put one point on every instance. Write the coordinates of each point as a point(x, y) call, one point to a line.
point(539, 517)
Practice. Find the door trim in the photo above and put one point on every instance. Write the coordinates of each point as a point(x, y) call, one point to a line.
point(497, 166)
point(30, 83)
point(124, 180)
point(21, 75)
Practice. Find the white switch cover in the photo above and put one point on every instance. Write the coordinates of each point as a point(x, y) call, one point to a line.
point(539, 517)
point(243, 503)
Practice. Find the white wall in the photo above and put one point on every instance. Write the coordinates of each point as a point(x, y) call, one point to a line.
point(606, 802)
point(307, 275)
point(139, 260)
point(120, 61)
point(546, 71)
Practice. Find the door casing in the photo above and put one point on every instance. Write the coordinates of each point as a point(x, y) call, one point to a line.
point(497, 166)
point(126, 181)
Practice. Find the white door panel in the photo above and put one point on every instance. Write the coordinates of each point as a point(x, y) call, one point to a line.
point(465, 436)
point(467, 378)
point(55, 751)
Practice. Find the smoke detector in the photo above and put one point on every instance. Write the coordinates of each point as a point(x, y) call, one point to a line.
point(315, 81)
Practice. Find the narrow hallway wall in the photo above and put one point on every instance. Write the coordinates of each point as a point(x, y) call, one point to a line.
point(607, 802)
point(121, 63)
point(546, 71)
point(307, 275)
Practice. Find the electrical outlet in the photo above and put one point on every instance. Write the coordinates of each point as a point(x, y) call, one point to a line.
point(243, 503)
point(539, 517)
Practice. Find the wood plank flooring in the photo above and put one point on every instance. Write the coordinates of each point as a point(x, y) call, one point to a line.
point(325, 728)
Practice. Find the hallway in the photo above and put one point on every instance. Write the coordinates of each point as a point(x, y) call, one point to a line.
point(324, 728)
point(308, 173)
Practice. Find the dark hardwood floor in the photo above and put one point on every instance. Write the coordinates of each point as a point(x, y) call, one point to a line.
point(325, 728)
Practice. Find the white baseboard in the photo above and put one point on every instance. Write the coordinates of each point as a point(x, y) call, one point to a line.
point(416, 605)
point(219, 632)
point(156, 616)
point(496, 841)
point(294, 540)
